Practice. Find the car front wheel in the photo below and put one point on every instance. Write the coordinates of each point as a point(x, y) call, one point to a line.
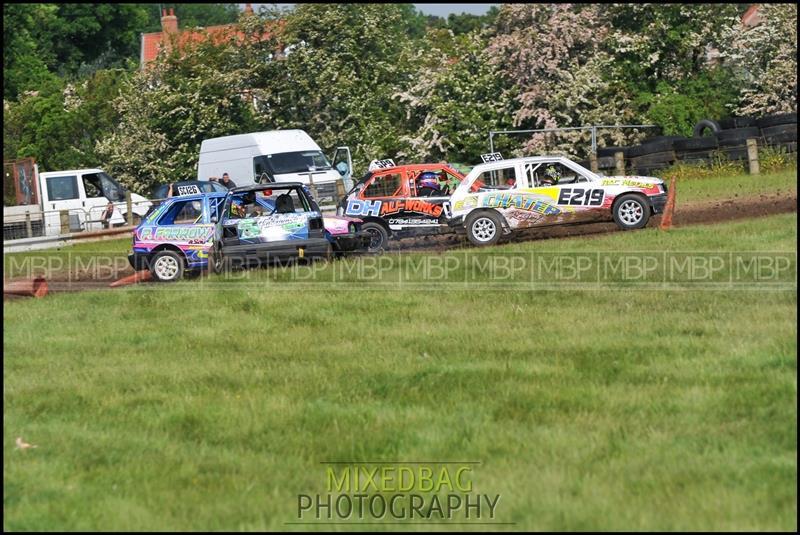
point(484, 228)
point(631, 212)
point(166, 266)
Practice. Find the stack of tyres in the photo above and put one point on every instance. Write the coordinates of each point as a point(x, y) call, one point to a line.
point(730, 123)
point(606, 163)
point(653, 154)
point(733, 142)
point(696, 150)
point(780, 130)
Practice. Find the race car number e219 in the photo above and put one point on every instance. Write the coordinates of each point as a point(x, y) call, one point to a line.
point(581, 197)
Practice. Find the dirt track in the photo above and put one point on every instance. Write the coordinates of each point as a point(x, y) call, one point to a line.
point(716, 211)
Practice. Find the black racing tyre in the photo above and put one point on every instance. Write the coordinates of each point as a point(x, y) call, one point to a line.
point(737, 136)
point(217, 263)
point(660, 144)
point(166, 266)
point(656, 158)
point(782, 133)
point(611, 151)
point(378, 234)
point(701, 126)
point(484, 227)
point(737, 122)
point(631, 211)
point(696, 143)
point(775, 120)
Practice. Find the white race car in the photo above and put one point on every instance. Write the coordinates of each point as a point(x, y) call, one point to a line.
point(497, 198)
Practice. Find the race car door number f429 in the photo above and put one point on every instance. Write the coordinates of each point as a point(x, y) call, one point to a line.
point(581, 197)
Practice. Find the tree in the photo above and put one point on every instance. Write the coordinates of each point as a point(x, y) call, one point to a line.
point(765, 61)
point(457, 96)
point(187, 95)
point(338, 77)
point(554, 54)
point(60, 124)
point(25, 60)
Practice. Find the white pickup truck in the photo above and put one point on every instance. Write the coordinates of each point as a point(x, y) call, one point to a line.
point(61, 202)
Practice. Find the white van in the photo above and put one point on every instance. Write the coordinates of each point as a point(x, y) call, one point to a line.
point(277, 156)
point(83, 194)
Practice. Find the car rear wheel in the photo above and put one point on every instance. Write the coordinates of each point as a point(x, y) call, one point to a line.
point(166, 266)
point(378, 236)
point(484, 228)
point(631, 212)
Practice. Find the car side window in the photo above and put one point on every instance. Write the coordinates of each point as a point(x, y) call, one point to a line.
point(385, 185)
point(544, 174)
point(504, 178)
point(183, 213)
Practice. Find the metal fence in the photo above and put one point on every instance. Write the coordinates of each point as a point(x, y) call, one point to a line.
point(593, 129)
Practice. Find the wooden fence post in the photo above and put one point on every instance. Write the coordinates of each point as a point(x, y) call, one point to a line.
point(593, 161)
point(619, 163)
point(64, 215)
point(28, 225)
point(129, 203)
point(752, 156)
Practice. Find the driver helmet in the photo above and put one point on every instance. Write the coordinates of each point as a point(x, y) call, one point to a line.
point(551, 175)
point(428, 179)
point(237, 207)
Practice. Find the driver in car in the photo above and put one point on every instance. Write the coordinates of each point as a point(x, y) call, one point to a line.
point(551, 176)
point(251, 207)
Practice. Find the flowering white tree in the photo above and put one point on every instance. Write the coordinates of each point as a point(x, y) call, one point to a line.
point(554, 54)
point(765, 58)
point(456, 97)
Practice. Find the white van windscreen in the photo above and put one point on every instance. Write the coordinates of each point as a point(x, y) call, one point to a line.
point(295, 162)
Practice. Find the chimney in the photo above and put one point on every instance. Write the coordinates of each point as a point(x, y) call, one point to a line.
point(248, 9)
point(169, 23)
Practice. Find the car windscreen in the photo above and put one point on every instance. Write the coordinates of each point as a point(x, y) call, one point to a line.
point(295, 162)
point(266, 202)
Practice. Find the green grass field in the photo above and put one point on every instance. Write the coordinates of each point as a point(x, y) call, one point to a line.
point(211, 403)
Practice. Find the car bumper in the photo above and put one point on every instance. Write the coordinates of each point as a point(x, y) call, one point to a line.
point(315, 247)
point(658, 202)
point(138, 261)
point(352, 242)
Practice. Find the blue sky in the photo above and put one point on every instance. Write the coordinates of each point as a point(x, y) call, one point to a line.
point(441, 10)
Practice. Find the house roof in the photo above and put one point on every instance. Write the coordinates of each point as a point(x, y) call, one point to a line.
point(153, 42)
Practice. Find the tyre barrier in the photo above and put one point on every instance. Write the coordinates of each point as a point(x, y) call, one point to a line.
point(612, 151)
point(737, 122)
point(775, 120)
point(778, 131)
point(782, 133)
point(696, 144)
point(737, 136)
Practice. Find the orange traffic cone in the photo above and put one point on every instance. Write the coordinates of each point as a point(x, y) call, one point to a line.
point(139, 276)
point(666, 219)
point(33, 288)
